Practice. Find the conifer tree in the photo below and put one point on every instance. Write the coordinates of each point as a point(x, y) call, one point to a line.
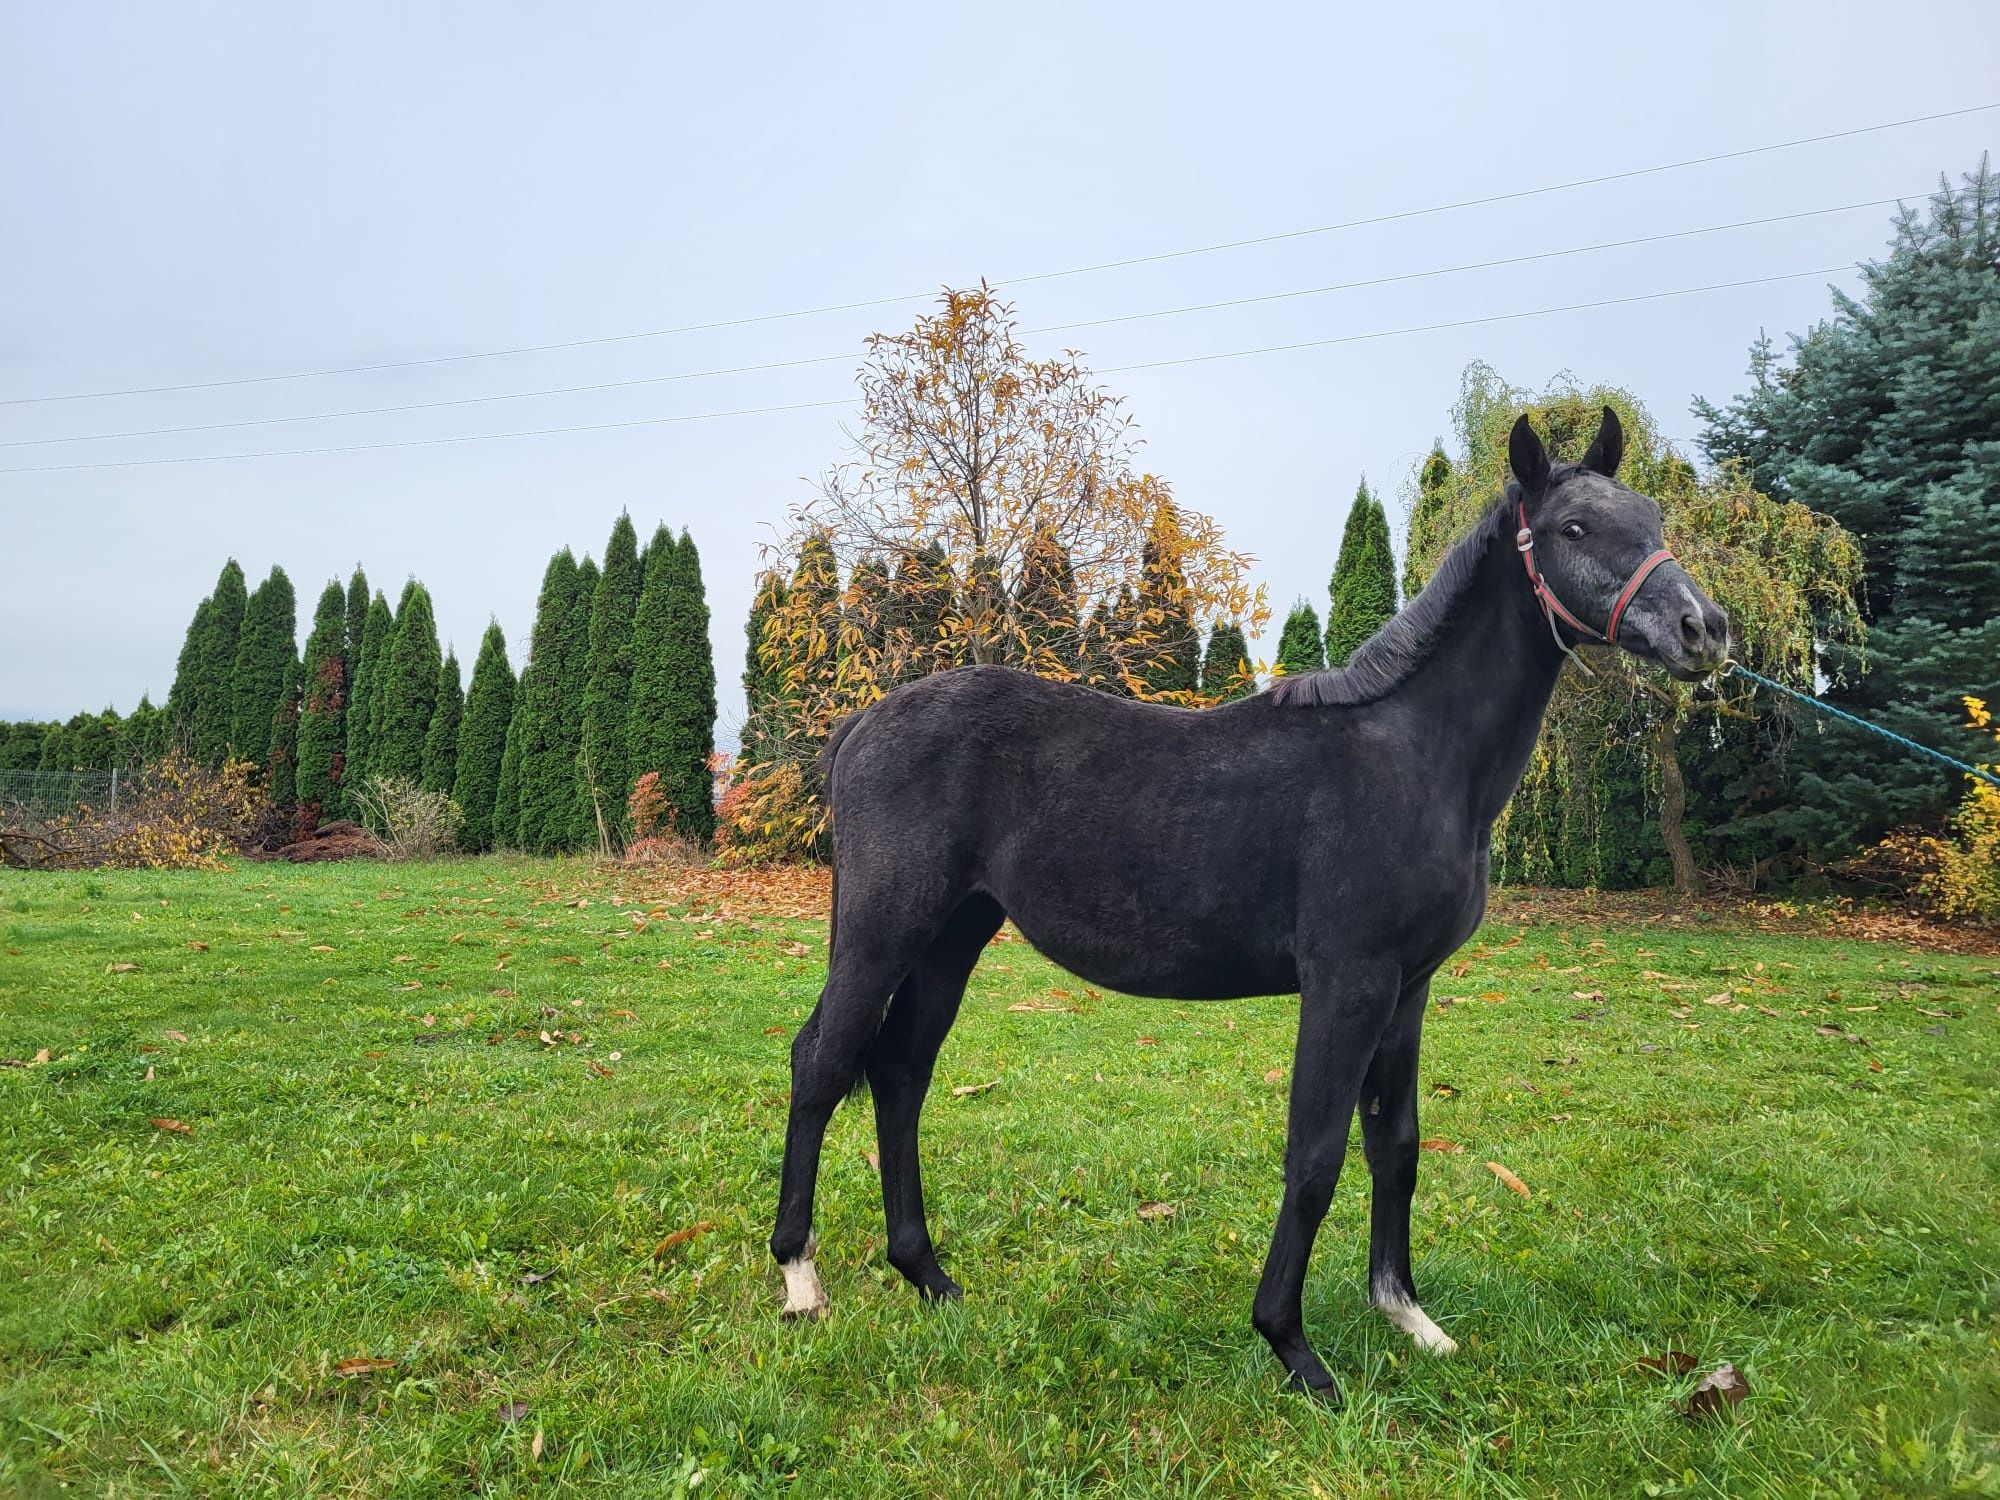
point(536, 805)
point(1299, 647)
point(186, 690)
point(357, 627)
point(1049, 617)
point(763, 683)
point(266, 645)
point(21, 746)
point(1363, 586)
point(607, 694)
point(1431, 511)
point(55, 755)
point(371, 667)
point(440, 768)
point(322, 753)
point(1886, 421)
point(1163, 624)
point(1225, 669)
point(482, 740)
point(585, 795)
point(673, 688)
point(281, 756)
point(400, 708)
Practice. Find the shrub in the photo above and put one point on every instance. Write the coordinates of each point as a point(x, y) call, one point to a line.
point(1956, 877)
point(410, 822)
point(176, 814)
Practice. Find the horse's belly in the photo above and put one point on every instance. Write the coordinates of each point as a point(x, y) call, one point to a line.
point(1183, 964)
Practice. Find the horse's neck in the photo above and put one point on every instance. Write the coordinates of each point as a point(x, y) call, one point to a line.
point(1487, 685)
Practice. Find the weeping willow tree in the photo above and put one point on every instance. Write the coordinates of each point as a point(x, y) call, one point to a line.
point(1606, 796)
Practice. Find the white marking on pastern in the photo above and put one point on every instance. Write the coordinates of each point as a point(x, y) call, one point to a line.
point(804, 1296)
point(1413, 1320)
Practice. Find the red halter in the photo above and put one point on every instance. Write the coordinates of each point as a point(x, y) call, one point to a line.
point(1552, 607)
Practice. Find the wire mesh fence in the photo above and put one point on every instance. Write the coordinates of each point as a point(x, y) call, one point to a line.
point(52, 794)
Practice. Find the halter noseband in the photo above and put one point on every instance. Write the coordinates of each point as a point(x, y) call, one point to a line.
point(1552, 607)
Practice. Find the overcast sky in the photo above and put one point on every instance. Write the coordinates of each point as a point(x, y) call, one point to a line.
point(201, 193)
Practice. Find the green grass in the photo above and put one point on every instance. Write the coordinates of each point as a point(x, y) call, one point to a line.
point(380, 1147)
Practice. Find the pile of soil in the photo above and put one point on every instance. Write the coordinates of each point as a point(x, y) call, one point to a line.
point(336, 840)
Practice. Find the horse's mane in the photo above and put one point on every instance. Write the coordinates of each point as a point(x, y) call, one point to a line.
point(1387, 658)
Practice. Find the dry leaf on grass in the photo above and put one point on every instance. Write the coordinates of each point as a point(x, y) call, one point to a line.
point(511, 1412)
point(174, 1036)
point(1719, 1390)
point(175, 1126)
point(362, 1364)
point(597, 1067)
point(121, 968)
point(874, 1161)
point(198, 947)
point(975, 1088)
point(1276, 1075)
point(681, 1237)
point(1439, 1144)
point(1509, 1179)
point(534, 1278)
point(535, 1448)
point(1157, 1210)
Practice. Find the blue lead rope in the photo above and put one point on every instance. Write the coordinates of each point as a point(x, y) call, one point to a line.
point(1840, 713)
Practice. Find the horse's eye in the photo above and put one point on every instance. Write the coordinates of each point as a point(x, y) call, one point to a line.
point(1573, 530)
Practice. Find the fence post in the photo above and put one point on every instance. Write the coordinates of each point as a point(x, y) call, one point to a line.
point(114, 791)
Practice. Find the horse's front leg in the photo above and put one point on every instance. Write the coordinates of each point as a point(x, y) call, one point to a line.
point(1342, 1010)
point(1389, 1136)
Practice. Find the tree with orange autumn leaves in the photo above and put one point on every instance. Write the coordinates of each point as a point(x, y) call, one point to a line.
point(991, 512)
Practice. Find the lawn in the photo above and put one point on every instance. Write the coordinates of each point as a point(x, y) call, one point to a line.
point(452, 1178)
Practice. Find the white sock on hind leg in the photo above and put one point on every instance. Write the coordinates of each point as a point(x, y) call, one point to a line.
point(804, 1296)
point(1400, 1310)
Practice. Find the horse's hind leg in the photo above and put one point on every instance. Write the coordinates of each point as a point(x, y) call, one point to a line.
point(1389, 1135)
point(826, 1064)
point(899, 1076)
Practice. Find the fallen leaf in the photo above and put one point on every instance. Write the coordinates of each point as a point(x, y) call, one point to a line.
point(534, 1278)
point(198, 947)
point(1149, 1041)
point(1719, 1390)
point(1157, 1210)
point(1725, 998)
point(1586, 994)
point(535, 1448)
point(322, 947)
point(1460, 969)
point(682, 1236)
point(502, 993)
point(1491, 995)
point(1276, 1075)
point(362, 1364)
point(1874, 1066)
point(598, 1068)
point(121, 968)
point(174, 1125)
point(512, 1411)
point(975, 1088)
point(1444, 1090)
point(874, 1161)
point(1941, 1015)
point(547, 1040)
point(1673, 1362)
point(774, 1031)
point(149, 1074)
point(1439, 1144)
point(624, 1015)
point(1508, 1178)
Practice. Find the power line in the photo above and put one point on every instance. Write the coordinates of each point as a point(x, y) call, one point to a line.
point(1538, 312)
point(821, 359)
point(1109, 265)
point(483, 437)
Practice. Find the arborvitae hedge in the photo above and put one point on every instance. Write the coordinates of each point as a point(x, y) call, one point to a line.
point(323, 712)
point(482, 740)
point(266, 646)
point(583, 810)
point(537, 804)
point(201, 701)
point(1364, 579)
point(371, 667)
point(400, 708)
point(763, 682)
point(1225, 669)
point(1299, 647)
point(672, 728)
point(281, 754)
point(440, 770)
point(357, 627)
point(607, 693)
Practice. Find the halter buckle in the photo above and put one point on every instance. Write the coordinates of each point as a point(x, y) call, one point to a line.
point(1524, 540)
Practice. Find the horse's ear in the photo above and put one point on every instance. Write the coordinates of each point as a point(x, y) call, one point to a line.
point(1526, 456)
point(1608, 447)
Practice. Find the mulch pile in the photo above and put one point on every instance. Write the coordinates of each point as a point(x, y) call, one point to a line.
point(337, 840)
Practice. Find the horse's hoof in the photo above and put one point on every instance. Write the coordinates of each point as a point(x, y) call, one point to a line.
point(805, 1298)
point(1326, 1395)
point(941, 1288)
point(803, 1314)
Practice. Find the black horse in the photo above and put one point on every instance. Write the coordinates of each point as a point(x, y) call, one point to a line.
point(1326, 838)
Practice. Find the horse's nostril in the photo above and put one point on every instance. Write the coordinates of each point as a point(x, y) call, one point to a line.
point(1692, 630)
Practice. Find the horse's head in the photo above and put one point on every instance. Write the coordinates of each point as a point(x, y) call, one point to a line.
point(1596, 558)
